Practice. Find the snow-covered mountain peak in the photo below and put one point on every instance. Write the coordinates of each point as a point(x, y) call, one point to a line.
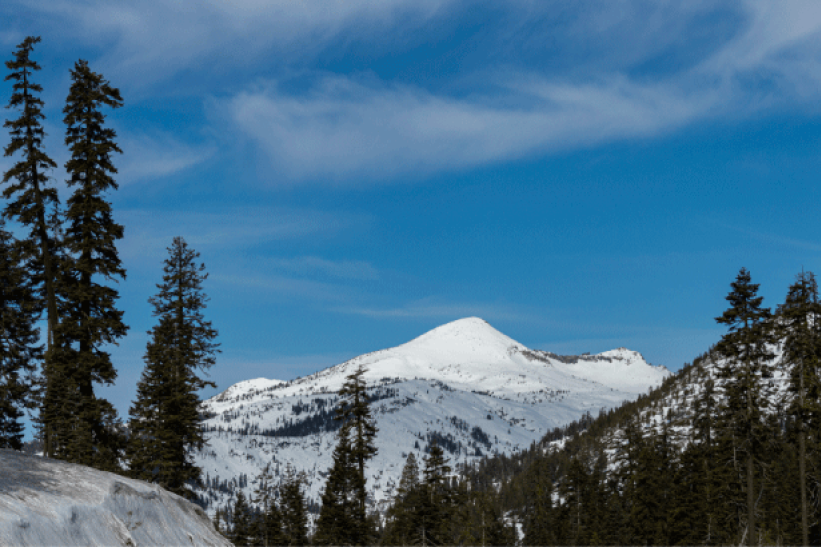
point(465, 341)
point(471, 335)
point(464, 385)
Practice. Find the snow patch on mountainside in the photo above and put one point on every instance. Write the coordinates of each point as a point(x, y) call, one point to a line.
point(49, 502)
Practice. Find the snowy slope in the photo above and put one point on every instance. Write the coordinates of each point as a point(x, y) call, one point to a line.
point(675, 405)
point(49, 502)
point(475, 389)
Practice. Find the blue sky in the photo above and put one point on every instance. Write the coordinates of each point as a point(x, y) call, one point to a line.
point(582, 175)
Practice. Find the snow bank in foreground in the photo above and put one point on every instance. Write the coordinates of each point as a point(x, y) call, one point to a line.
point(49, 502)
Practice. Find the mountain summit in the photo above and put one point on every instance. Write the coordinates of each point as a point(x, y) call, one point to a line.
point(464, 385)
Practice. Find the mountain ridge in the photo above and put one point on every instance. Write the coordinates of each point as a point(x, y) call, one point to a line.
point(464, 384)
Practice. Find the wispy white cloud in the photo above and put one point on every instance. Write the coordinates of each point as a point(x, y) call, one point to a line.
point(344, 129)
point(307, 265)
point(347, 130)
point(151, 157)
point(589, 83)
point(151, 40)
point(266, 284)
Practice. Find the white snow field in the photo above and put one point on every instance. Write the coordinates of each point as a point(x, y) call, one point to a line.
point(473, 388)
point(49, 502)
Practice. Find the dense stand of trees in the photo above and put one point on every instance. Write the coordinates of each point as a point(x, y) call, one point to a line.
point(747, 471)
point(65, 264)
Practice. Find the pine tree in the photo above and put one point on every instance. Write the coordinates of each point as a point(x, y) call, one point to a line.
point(241, 522)
point(342, 517)
point(476, 519)
point(538, 523)
point(165, 422)
point(409, 480)
point(293, 509)
point(435, 507)
point(356, 416)
point(218, 520)
point(19, 351)
point(27, 188)
point(267, 530)
point(91, 319)
point(650, 498)
point(746, 354)
point(700, 481)
point(335, 525)
point(573, 512)
point(400, 525)
point(799, 321)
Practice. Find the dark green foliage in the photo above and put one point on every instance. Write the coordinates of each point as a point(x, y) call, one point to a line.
point(477, 520)
point(28, 194)
point(267, 528)
point(400, 526)
point(241, 522)
point(798, 321)
point(355, 414)
point(746, 354)
point(19, 350)
point(335, 525)
point(165, 421)
point(538, 522)
point(293, 509)
point(342, 518)
point(652, 493)
point(421, 514)
point(89, 319)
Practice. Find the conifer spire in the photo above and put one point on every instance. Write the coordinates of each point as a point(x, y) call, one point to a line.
point(165, 420)
point(746, 352)
point(91, 434)
point(29, 196)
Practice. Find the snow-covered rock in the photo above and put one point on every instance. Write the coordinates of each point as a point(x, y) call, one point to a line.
point(469, 386)
point(50, 502)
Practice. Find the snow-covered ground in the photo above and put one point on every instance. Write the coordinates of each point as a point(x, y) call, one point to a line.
point(465, 382)
point(49, 502)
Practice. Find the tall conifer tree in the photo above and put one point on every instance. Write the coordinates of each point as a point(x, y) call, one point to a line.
point(342, 518)
point(539, 527)
point(746, 352)
point(400, 523)
point(436, 504)
point(293, 509)
point(26, 186)
point(335, 525)
point(165, 422)
point(91, 319)
point(19, 350)
point(241, 524)
point(799, 319)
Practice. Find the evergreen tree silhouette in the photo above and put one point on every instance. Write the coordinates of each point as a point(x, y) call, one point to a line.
point(29, 196)
point(165, 423)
